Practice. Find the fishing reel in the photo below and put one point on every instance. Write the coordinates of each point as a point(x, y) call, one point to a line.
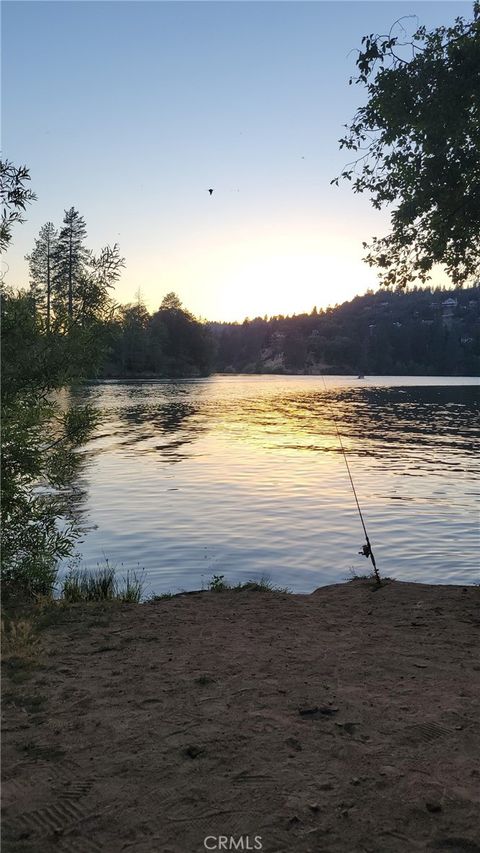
point(366, 550)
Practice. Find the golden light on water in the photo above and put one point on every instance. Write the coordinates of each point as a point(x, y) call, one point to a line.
point(292, 426)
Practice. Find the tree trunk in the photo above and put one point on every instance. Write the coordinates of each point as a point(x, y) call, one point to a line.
point(48, 285)
point(70, 278)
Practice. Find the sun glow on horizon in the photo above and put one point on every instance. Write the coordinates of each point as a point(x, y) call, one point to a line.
point(289, 283)
point(237, 276)
point(283, 284)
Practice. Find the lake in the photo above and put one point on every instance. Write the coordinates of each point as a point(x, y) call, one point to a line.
point(243, 476)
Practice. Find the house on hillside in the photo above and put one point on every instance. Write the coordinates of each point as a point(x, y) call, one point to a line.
point(448, 307)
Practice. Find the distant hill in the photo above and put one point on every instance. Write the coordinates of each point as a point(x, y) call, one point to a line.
point(421, 331)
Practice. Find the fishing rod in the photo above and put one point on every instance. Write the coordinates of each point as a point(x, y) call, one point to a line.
point(367, 548)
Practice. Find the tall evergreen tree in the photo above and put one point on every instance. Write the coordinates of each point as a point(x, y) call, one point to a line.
point(71, 260)
point(184, 341)
point(41, 261)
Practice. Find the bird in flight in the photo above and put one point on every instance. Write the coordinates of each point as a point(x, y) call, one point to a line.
point(210, 191)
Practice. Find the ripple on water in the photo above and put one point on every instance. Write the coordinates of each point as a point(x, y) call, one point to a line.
point(244, 476)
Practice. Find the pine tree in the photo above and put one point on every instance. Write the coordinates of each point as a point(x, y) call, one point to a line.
point(41, 261)
point(71, 261)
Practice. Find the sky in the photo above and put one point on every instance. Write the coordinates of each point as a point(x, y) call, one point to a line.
point(131, 111)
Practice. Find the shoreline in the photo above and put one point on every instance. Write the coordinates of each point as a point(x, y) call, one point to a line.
point(341, 720)
point(162, 378)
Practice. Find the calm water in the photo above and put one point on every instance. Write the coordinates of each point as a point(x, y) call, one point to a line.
point(243, 476)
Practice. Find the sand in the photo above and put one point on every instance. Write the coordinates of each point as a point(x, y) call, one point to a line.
point(345, 720)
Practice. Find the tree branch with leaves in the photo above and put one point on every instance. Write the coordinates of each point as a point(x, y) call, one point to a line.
point(14, 197)
point(417, 149)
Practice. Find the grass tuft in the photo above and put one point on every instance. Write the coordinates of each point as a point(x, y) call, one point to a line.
point(371, 578)
point(81, 585)
point(37, 752)
point(192, 751)
point(84, 585)
point(31, 704)
point(131, 592)
point(20, 647)
point(204, 679)
point(219, 584)
point(262, 585)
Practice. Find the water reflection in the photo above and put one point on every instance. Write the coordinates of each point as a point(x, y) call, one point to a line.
point(173, 422)
point(248, 477)
point(136, 423)
point(385, 423)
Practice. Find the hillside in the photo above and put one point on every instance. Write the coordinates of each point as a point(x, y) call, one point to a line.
point(422, 331)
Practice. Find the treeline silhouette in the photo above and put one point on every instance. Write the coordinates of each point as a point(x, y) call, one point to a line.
point(414, 331)
point(420, 331)
point(170, 342)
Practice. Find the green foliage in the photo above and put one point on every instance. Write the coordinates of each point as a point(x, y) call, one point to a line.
point(39, 439)
point(93, 290)
point(82, 585)
point(71, 263)
point(14, 197)
point(69, 282)
point(132, 589)
point(418, 138)
point(219, 584)
point(52, 338)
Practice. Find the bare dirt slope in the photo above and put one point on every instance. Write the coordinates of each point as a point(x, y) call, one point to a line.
point(346, 720)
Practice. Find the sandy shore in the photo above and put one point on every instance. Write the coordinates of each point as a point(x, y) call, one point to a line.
point(346, 720)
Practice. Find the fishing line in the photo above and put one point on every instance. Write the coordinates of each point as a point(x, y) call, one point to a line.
point(367, 548)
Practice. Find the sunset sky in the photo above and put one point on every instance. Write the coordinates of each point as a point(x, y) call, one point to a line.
point(130, 111)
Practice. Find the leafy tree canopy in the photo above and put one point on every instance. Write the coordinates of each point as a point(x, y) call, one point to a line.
point(39, 436)
point(418, 142)
point(14, 197)
point(41, 430)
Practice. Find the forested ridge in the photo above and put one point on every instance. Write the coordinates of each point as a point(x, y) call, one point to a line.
point(415, 330)
point(420, 331)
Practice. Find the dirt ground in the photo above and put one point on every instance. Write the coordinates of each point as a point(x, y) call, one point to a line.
point(346, 720)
